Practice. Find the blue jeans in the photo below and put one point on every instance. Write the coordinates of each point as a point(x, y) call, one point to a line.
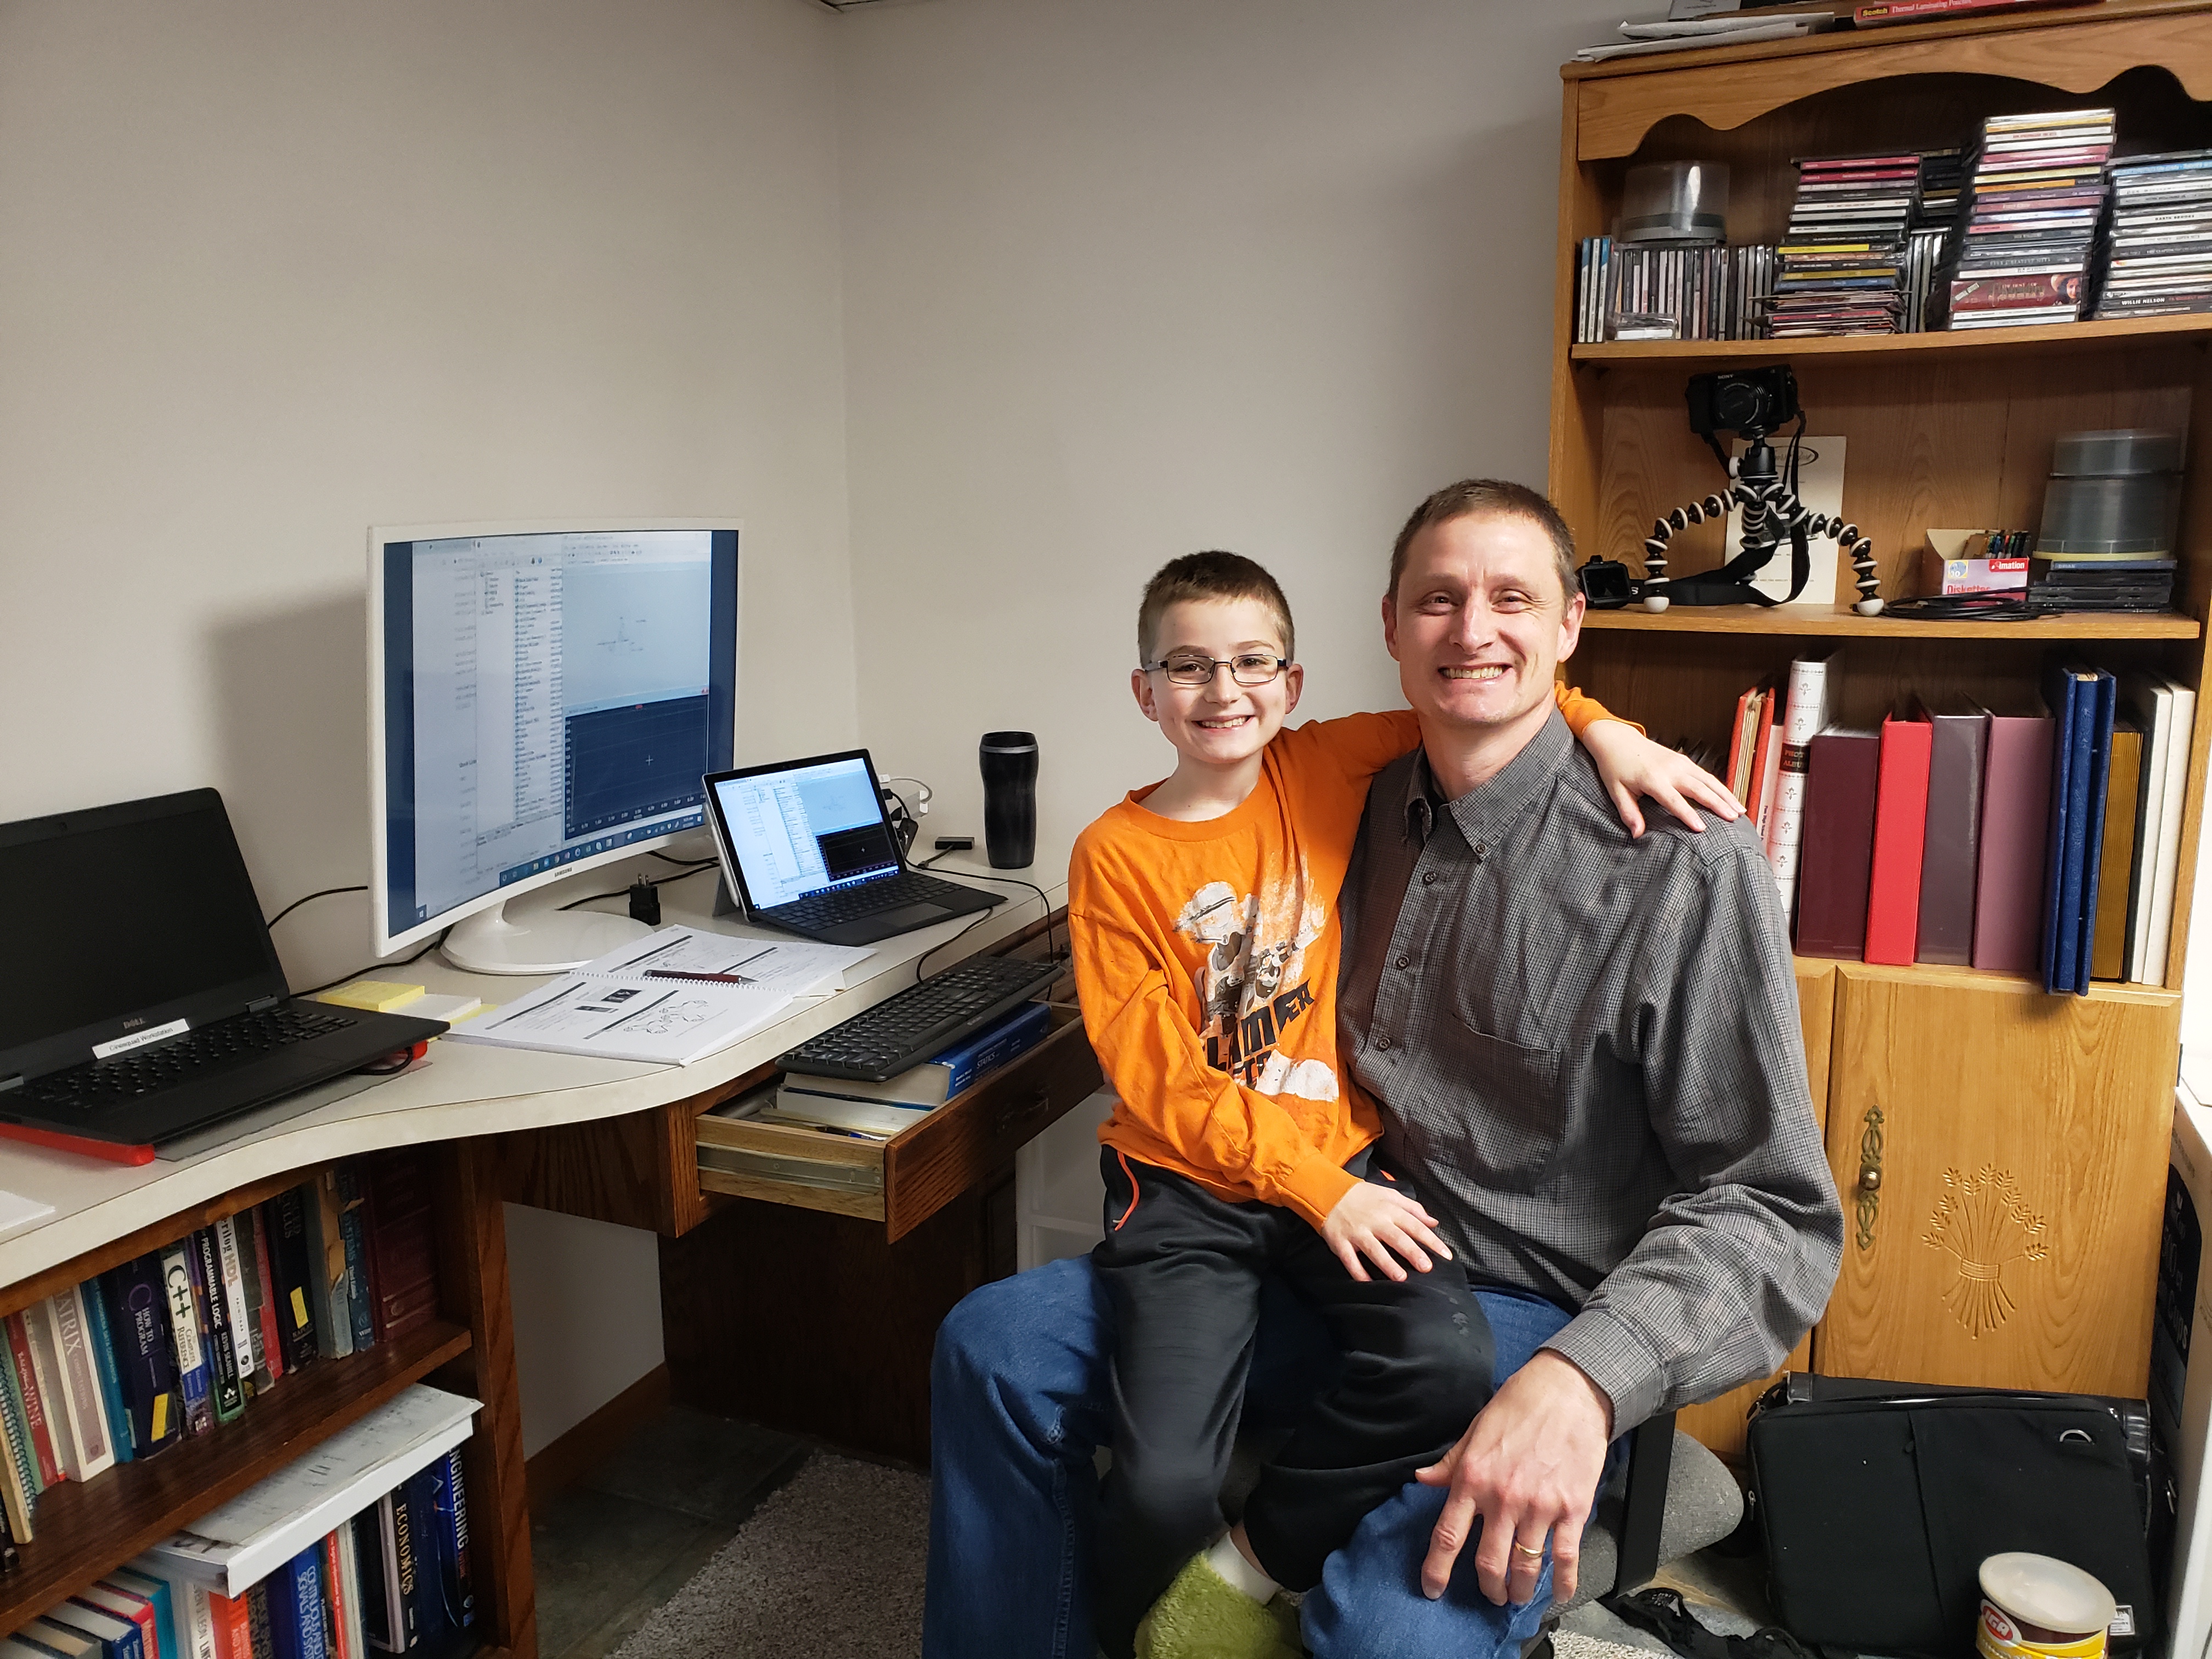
point(1019, 1396)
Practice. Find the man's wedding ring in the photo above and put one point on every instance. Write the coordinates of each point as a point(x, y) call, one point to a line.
point(1523, 1549)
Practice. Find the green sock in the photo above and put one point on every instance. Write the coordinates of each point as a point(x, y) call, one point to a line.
point(1202, 1616)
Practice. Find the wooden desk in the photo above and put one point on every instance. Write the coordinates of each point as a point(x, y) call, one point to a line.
point(506, 1125)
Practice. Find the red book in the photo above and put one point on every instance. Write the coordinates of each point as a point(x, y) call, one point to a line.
point(2015, 827)
point(34, 1407)
point(272, 1336)
point(1836, 855)
point(1900, 824)
point(234, 1627)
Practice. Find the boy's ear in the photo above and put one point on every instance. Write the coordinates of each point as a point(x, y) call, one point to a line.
point(1140, 683)
point(1294, 684)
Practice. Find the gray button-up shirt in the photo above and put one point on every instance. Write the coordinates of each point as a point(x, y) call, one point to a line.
point(1588, 1054)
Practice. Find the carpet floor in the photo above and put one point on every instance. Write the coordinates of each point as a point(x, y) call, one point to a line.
point(828, 1567)
point(831, 1567)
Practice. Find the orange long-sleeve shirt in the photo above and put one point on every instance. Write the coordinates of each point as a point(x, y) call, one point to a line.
point(1206, 954)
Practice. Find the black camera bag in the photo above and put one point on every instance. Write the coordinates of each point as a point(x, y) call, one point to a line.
point(1878, 1501)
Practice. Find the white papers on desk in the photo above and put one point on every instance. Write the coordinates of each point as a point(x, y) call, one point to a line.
point(795, 967)
point(232, 1548)
point(612, 1006)
point(17, 1210)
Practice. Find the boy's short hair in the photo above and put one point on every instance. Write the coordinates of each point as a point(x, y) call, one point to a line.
point(1474, 498)
point(1210, 575)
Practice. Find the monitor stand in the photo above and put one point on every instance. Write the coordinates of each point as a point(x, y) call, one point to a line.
point(537, 942)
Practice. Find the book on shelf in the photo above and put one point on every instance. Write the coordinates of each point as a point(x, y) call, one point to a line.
point(450, 1504)
point(2115, 854)
point(137, 1610)
point(1814, 685)
point(329, 1285)
point(1843, 765)
point(294, 1251)
point(31, 1390)
point(1900, 826)
point(168, 1635)
point(2015, 831)
point(58, 1324)
point(226, 1388)
point(2080, 700)
point(296, 1605)
point(140, 1304)
point(195, 1377)
point(191, 1614)
point(401, 1240)
point(2166, 711)
point(236, 1545)
point(1875, 13)
point(261, 1294)
point(113, 1637)
point(238, 1317)
point(18, 1475)
point(360, 1294)
point(58, 1638)
point(100, 1343)
point(1951, 835)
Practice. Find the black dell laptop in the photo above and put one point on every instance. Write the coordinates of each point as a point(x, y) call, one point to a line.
point(807, 846)
point(140, 996)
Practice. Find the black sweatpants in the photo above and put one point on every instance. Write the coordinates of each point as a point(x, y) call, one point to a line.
point(1184, 1269)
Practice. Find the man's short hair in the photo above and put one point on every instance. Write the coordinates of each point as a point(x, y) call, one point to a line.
point(1210, 576)
point(1473, 498)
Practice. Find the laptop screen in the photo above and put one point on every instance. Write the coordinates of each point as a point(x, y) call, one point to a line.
point(805, 829)
point(120, 920)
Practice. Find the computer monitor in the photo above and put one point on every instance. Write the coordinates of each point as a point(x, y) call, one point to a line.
point(543, 699)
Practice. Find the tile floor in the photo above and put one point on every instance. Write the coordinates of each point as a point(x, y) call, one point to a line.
point(626, 1537)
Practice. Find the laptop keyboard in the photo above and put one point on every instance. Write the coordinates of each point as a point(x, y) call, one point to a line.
point(181, 1060)
point(844, 904)
point(922, 1020)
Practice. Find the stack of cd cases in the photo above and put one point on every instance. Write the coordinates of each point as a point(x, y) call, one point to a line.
point(2158, 252)
point(1843, 258)
point(1688, 292)
point(2023, 253)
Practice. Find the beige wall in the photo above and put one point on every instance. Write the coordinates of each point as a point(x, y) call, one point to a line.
point(271, 274)
point(1128, 279)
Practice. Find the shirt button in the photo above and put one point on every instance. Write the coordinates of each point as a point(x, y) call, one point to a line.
point(1481, 851)
point(1428, 876)
point(1383, 1042)
point(1404, 961)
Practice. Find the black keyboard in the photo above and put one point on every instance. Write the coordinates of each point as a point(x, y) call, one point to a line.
point(843, 904)
point(925, 1019)
point(184, 1059)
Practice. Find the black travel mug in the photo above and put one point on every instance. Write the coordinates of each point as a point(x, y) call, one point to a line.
point(1010, 762)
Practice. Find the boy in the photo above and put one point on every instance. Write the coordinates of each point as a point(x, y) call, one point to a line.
point(1206, 944)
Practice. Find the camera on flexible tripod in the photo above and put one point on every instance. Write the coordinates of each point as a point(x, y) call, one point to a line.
point(1751, 404)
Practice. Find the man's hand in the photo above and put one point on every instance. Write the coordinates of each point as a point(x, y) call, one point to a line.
point(1529, 1465)
point(1630, 764)
point(1371, 1220)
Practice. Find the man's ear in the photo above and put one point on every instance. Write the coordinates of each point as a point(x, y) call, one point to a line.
point(1570, 623)
point(1141, 685)
point(1390, 624)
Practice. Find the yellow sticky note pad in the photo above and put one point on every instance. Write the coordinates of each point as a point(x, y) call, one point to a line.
point(378, 996)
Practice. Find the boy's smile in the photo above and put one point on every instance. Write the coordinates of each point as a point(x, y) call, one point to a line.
point(1220, 725)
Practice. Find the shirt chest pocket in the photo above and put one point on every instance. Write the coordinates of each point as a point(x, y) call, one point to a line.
point(1487, 1107)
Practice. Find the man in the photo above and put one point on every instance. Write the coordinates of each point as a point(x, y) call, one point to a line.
point(1586, 1051)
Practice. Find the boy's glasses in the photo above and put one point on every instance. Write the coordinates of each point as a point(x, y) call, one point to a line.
point(1246, 668)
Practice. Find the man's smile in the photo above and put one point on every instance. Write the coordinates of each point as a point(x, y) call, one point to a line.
point(1480, 671)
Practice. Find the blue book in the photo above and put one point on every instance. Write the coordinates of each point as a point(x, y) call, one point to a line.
point(118, 1639)
point(295, 1606)
point(454, 1580)
point(2070, 694)
point(358, 1295)
point(138, 1320)
point(2098, 700)
point(100, 1338)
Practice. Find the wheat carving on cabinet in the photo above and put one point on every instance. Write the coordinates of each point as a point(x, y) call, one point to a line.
point(1986, 1225)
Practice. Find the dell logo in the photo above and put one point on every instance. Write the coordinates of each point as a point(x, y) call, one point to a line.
point(133, 1025)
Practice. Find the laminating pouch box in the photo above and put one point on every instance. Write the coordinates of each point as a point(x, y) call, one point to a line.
point(1880, 1500)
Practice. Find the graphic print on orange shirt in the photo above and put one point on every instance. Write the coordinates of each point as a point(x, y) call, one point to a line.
point(1250, 988)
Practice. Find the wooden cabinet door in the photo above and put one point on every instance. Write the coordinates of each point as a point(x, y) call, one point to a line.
point(2002, 1155)
point(1719, 1423)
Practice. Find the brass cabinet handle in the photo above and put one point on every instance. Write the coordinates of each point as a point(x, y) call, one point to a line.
point(1014, 1114)
point(1867, 1190)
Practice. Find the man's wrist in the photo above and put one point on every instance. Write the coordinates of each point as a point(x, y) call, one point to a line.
point(1570, 1375)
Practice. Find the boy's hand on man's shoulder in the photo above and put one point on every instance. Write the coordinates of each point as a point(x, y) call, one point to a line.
point(1631, 765)
point(1383, 1226)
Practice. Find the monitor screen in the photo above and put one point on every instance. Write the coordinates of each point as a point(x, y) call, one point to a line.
point(548, 697)
point(805, 828)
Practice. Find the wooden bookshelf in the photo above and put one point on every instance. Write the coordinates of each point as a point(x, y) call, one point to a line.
point(85, 1529)
point(1959, 1071)
point(2040, 340)
point(1802, 621)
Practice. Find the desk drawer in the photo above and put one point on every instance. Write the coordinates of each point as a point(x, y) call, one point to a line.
point(902, 1182)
